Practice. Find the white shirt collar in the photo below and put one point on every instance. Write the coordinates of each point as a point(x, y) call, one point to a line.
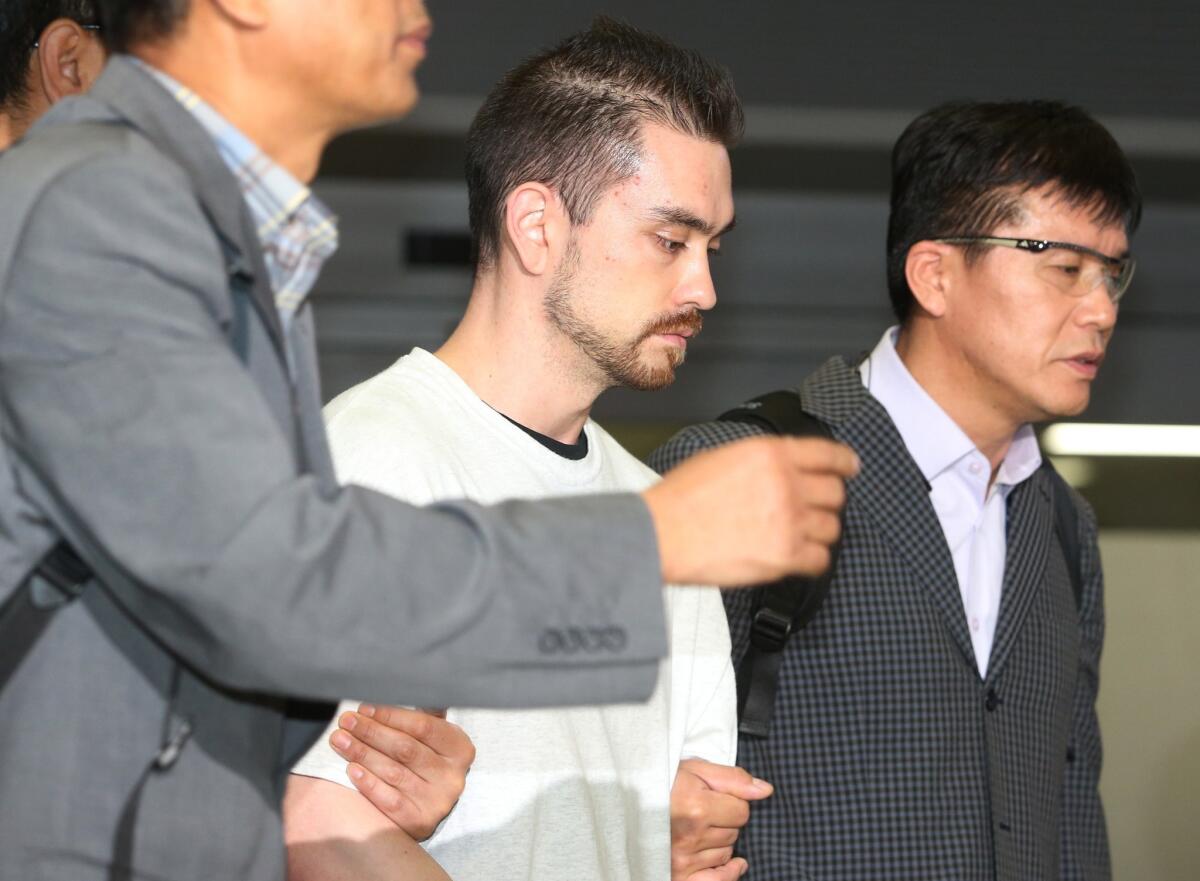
point(933, 439)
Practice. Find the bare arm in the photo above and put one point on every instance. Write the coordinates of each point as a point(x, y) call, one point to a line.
point(334, 834)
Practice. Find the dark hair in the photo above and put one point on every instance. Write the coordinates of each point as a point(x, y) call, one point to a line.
point(129, 22)
point(571, 118)
point(961, 168)
point(21, 23)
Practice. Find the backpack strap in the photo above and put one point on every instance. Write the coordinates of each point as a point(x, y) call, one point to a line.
point(784, 606)
point(1066, 528)
point(27, 612)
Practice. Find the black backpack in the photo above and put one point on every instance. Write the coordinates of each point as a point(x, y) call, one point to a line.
point(788, 605)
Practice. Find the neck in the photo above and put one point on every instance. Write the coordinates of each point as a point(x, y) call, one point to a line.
point(267, 112)
point(15, 122)
point(505, 351)
point(949, 378)
point(7, 132)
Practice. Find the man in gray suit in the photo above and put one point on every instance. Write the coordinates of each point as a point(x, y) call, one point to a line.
point(936, 718)
point(159, 412)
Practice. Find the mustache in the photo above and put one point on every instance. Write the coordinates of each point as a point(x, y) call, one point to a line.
point(687, 321)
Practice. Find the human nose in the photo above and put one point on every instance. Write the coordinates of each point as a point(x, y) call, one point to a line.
point(698, 288)
point(1097, 308)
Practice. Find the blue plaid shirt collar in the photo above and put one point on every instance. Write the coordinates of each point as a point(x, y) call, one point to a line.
point(298, 233)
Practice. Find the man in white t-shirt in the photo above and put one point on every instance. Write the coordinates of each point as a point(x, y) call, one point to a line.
point(600, 185)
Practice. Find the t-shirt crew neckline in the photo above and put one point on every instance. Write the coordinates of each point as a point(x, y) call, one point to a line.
point(567, 470)
point(574, 452)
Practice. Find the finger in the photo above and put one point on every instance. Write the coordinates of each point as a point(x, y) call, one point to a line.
point(394, 802)
point(710, 838)
point(825, 491)
point(439, 712)
point(384, 751)
point(822, 527)
point(731, 871)
point(819, 454)
point(687, 866)
point(727, 779)
point(724, 811)
point(810, 558)
point(428, 727)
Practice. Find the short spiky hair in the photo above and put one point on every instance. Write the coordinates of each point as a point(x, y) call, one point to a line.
point(571, 118)
point(21, 23)
point(961, 169)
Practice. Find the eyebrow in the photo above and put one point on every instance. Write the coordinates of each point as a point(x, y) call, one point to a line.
point(683, 217)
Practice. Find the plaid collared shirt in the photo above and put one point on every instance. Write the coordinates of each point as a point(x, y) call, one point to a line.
point(297, 231)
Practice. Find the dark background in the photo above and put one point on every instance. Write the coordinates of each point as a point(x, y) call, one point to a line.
point(828, 87)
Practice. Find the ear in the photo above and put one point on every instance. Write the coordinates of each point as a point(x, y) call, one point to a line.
point(929, 269)
point(68, 59)
point(533, 218)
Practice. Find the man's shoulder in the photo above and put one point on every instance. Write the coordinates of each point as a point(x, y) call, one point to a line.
point(398, 431)
point(79, 131)
point(698, 437)
point(87, 175)
point(833, 394)
point(397, 399)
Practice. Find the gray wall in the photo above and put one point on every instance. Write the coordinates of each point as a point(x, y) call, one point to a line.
point(1150, 704)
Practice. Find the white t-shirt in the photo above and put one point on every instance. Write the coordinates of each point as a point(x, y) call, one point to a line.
point(581, 793)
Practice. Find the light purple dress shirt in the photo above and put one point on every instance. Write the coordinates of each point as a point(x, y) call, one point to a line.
point(972, 513)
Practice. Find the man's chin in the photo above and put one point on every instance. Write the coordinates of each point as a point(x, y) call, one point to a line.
point(649, 379)
point(649, 382)
point(389, 103)
point(1065, 405)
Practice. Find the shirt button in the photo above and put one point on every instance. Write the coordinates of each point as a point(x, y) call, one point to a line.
point(975, 624)
point(974, 468)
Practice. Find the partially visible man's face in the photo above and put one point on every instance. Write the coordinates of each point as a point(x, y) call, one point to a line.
point(355, 60)
point(629, 292)
point(1032, 348)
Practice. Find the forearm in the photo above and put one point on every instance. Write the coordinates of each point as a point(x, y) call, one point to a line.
point(333, 833)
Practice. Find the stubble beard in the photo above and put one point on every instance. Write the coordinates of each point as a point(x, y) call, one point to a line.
point(619, 362)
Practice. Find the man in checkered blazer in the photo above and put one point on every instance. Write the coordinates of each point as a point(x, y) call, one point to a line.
point(936, 720)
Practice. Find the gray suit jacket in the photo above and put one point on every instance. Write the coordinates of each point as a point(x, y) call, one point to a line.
point(148, 415)
point(891, 758)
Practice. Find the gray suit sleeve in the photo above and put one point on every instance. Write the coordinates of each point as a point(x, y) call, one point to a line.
point(1084, 847)
point(148, 442)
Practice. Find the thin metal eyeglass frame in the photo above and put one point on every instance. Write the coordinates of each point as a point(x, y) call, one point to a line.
point(1124, 265)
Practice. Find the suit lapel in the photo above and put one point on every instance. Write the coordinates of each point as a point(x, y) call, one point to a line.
point(1028, 536)
point(890, 488)
point(147, 106)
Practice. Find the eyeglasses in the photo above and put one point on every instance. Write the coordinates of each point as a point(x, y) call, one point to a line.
point(86, 27)
point(1078, 274)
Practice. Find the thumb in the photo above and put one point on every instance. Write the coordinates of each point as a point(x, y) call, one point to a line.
point(728, 779)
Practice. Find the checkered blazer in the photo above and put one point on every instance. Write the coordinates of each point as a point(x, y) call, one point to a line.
point(891, 758)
